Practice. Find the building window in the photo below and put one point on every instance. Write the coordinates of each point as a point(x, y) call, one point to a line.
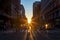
point(54, 15)
point(57, 13)
point(51, 16)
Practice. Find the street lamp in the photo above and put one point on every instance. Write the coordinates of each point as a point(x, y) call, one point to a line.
point(46, 26)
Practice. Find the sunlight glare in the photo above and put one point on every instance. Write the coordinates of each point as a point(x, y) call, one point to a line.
point(29, 30)
point(29, 20)
point(46, 26)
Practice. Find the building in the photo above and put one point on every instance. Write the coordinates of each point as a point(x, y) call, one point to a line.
point(22, 10)
point(23, 16)
point(36, 13)
point(50, 12)
point(36, 8)
point(9, 11)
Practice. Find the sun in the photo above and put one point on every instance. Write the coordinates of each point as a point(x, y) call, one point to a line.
point(29, 20)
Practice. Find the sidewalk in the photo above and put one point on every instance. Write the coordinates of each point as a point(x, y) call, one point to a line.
point(8, 31)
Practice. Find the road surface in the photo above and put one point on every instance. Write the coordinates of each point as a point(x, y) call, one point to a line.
point(32, 35)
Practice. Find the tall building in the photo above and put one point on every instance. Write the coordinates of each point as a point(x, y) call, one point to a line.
point(36, 13)
point(50, 12)
point(36, 8)
point(23, 16)
point(9, 11)
point(22, 10)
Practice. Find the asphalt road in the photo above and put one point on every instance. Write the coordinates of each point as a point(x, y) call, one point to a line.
point(32, 35)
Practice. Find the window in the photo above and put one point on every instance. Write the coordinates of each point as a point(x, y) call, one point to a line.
point(57, 13)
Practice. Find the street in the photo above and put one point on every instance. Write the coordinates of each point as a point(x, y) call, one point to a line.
point(32, 35)
point(29, 19)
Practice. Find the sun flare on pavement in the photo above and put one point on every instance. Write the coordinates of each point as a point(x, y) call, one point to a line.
point(29, 29)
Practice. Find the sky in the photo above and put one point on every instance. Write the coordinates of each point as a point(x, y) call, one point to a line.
point(28, 5)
